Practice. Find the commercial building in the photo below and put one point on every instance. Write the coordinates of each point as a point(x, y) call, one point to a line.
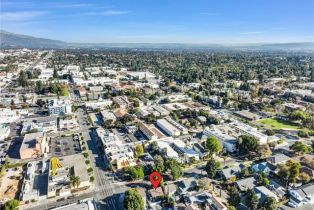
point(60, 172)
point(59, 107)
point(8, 115)
point(107, 115)
point(182, 129)
point(150, 131)
point(228, 142)
point(119, 155)
point(99, 104)
point(33, 145)
point(244, 129)
point(68, 124)
point(171, 127)
point(168, 128)
point(121, 101)
point(184, 152)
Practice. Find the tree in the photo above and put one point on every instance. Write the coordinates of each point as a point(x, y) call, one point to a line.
point(231, 208)
point(135, 172)
point(133, 200)
point(213, 145)
point(211, 167)
point(270, 204)
point(252, 199)
point(300, 148)
point(22, 79)
point(55, 74)
point(175, 168)
point(270, 132)
point(233, 196)
point(11, 204)
point(262, 179)
point(159, 164)
point(247, 144)
point(75, 181)
point(304, 177)
point(139, 150)
point(203, 183)
point(167, 202)
point(289, 171)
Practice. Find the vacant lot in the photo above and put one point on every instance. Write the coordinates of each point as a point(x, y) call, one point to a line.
point(279, 124)
point(9, 184)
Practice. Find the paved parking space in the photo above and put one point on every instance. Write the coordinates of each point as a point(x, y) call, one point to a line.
point(61, 146)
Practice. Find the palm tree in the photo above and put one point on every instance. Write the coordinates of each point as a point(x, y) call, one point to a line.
point(75, 181)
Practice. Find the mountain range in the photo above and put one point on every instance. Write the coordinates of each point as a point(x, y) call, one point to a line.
point(12, 40)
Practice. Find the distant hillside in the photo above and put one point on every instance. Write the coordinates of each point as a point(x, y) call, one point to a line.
point(11, 40)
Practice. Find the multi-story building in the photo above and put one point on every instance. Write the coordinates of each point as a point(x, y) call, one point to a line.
point(33, 145)
point(59, 107)
point(118, 154)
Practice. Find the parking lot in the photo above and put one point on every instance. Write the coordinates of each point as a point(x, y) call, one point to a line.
point(61, 146)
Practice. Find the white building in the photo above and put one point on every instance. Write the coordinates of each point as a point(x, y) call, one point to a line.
point(108, 115)
point(245, 129)
point(118, 154)
point(302, 195)
point(228, 142)
point(8, 115)
point(59, 107)
point(100, 103)
point(68, 124)
point(168, 128)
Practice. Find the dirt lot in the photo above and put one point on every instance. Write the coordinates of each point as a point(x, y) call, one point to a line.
point(10, 183)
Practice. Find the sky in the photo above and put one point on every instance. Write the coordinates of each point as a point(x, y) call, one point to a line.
point(161, 21)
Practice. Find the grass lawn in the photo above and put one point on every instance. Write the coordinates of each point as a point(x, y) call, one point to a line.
point(279, 124)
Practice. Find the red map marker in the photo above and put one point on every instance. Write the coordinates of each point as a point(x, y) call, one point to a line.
point(155, 178)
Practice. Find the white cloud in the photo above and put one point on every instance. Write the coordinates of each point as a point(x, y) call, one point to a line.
point(109, 13)
point(21, 16)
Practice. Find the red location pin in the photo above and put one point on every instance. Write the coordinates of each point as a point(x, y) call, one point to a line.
point(155, 178)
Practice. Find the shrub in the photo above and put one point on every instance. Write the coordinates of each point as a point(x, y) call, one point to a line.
point(303, 134)
point(91, 179)
point(87, 161)
point(89, 170)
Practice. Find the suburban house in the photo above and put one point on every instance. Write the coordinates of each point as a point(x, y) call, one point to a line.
point(302, 195)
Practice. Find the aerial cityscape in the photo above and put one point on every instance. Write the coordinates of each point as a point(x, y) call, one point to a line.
point(157, 105)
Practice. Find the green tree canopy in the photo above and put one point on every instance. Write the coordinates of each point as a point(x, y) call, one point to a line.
point(134, 172)
point(252, 200)
point(11, 205)
point(233, 196)
point(211, 167)
point(159, 164)
point(270, 204)
point(133, 200)
point(247, 144)
point(213, 145)
point(139, 150)
point(175, 168)
point(300, 148)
